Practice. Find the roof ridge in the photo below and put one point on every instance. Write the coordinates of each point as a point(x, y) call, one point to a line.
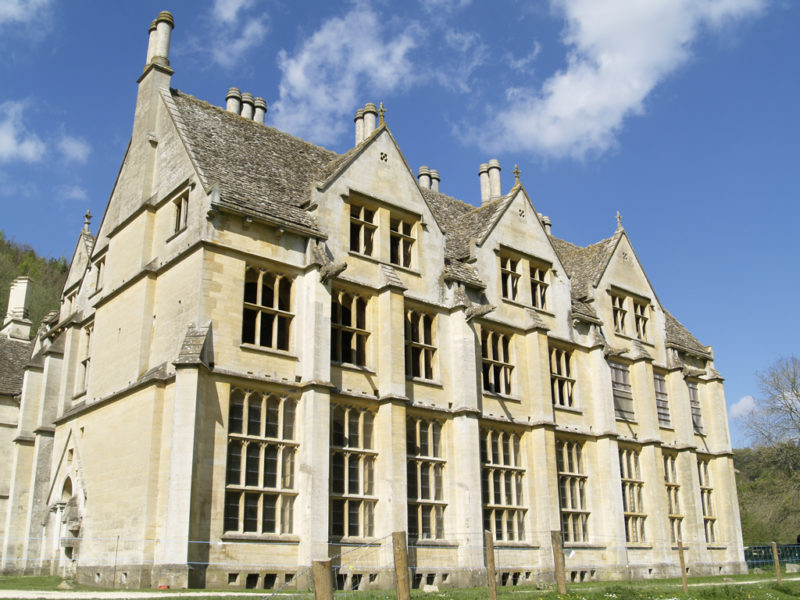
point(255, 123)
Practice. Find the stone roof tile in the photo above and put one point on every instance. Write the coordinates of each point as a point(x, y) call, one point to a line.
point(14, 354)
point(678, 335)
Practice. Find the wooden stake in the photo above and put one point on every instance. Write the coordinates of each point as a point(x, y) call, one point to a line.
point(683, 567)
point(402, 589)
point(491, 575)
point(558, 562)
point(323, 588)
point(777, 563)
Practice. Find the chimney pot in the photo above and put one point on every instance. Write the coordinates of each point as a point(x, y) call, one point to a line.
point(247, 105)
point(151, 42)
point(424, 176)
point(260, 110)
point(370, 119)
point(434, 180)
point(483, 173)
point(494, 179)
point(16, 323)
point(233, 100)
point(359, 119)
point(164, 26)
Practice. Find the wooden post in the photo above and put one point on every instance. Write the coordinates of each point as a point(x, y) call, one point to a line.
point(323, 588)
point(683, 567)
point(402, 589)
point(777, 563)
point(558, 562)
point(491, 575)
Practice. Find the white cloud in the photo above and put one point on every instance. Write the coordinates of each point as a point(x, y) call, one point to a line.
point(444, 5)
point(325, 79)
point(71, 192)
point(743, 407)
point(16, 142)
point(235, 30)
point(22, 11)
point(618, 52)
point(74, 149)
point(467, 52)
point(524, 64)
point(228, 10)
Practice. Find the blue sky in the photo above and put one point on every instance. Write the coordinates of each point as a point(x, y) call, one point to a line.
point(681, 114)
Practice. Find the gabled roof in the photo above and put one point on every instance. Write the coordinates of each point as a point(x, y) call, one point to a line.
point(678, 335)
point(14, 354)
point(258, 169)
point(585, 266)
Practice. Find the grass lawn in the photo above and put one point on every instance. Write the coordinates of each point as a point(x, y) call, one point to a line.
point(701, 588)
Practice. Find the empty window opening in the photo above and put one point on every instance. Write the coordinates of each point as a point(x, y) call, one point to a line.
point(267, 316)
point(502, 485)
point(269, 580)
point(496, 361)
point(349, 332)
point(233, 578)
point(420, 344)
point(251, 582)
point(362, 229)
point(401, 241)
point(425, 474)
point(561, 380)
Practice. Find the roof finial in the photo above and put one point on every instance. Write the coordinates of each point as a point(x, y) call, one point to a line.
point(516, 174)
point(619, 220)
point(87, 218)
point(382, 112)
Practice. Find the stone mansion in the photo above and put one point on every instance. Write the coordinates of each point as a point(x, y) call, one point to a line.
point(270, 351)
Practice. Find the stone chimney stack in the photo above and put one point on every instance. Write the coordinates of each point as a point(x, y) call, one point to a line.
point(370, 119)
point(151, 44)
point(260, 110)
point(546, 222)
point(247, 106)
point(483, 173)
point(424, 177)
point(434, 180)
point(494, 179)
point(16, 324)
point(164, 25)
point(359, 120)
point(233, 101)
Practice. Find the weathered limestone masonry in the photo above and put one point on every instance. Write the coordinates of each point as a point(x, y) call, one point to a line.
point(270, 352)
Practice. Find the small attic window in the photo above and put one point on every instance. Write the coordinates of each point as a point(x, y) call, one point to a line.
point(181, 211)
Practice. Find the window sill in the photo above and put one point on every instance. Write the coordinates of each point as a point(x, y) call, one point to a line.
point(519, 304)
point(175, 234)
point(353, 367)
point(379, 261)
point(667, 427)
point(353, 541)
point(634, 338)
point(267, 350)
point(426, 542)
point(261, 538)
point(714, 547)
point(513, 545)
point(428, 382)
point(584, 546)
point(569, 409)
point(638, 546)
point(499, 396)
point(626, 420)
point(78, 395)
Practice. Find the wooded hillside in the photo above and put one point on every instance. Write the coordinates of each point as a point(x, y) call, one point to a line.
point(47, 278)
point(768, 483)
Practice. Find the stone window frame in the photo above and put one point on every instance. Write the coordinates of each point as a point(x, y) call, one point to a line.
point(353, 457)
point(707, 500)
point(497, 361)
point(425, 466)
point(622, 391)
point(503, 483)
point(277, 313)
point(562, 383)
point(100, 267)
point(673, 488)
point(695, 406)
point(382, 232)
point(263, 445)
point(641, 309)
point(573, 482)
point(618, 312)
point(632, 485)
point(420, 343)
point(85, 361)
point(350, 327)
point(181, 211)
point(662, 399)
point(518, 270)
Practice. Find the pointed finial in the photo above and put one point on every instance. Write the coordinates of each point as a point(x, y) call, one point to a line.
point(516, 173)
point(87, 218)
point(382, 112)
point(619, 220)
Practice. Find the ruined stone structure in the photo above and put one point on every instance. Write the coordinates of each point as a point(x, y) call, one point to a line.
point(271, 350)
